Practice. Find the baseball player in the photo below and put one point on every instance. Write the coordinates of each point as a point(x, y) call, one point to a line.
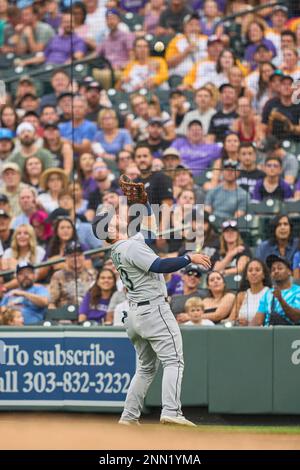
point(150, 324)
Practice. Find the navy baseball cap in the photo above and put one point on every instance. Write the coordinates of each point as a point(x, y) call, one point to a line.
point(192, 268)
point(3, 198)
point(24, 265)
point(6, 134)
point(271, 259)
point(4, 214)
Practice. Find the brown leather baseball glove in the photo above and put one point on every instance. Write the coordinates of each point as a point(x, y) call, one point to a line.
point(135, 192)
point(278, 123)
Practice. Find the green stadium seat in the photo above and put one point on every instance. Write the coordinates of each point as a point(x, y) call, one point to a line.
point(67, 312)
point(248, 226)
point(134, 21)
point(292, 207)
point(233, 282)
point(268, 206)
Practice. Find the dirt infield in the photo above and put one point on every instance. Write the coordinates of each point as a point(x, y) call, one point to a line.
point(80, 431)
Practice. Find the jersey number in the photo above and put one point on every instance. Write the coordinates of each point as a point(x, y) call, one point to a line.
point(125, 279)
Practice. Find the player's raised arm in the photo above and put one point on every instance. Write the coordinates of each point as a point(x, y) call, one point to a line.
point(170, 265)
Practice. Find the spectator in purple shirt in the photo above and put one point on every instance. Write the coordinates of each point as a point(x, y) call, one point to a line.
point(62, 48)
point(255, 35)
point(272, 185)
point(132, 6)
point(95, 303)
point(117, 45)
point(195, 153)
point(297, 190)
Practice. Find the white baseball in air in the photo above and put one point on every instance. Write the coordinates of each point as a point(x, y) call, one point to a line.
point(159, 46)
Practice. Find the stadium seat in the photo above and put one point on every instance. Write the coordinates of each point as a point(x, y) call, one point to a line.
point(67, 312)
point(268, 206)
point(291, 207)
point(233, 282)
point(248, 226)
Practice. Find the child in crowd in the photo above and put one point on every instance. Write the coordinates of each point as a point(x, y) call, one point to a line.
point(195, 310)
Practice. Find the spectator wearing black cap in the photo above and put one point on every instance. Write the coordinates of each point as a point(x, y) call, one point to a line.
point(281, 304)
point(69, 285)
point(234, 254)
point(187, 48)
point(171, 160)
point(155, 140)
point(93, 97)
point(273, 147)
point(64, 103)
point(227, 200)
point(281, 116)
point(191, 277)
point(272, 185)
point(59, 147)
point(31, 298)
point(281, 241)
point(203, 112)
point(219, 302)
point(195, 153)
point(178, 105)
point(183, 180)
point(222, 121)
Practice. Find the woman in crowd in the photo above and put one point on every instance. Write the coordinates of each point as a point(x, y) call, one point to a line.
point(153, 10)
point(248, 124)
point(43, 229)
point(111, 138)
point(219, 303)
point(83, 30)
point(53, 181)
point(85, 173)
point(255, 282)
point(225, 63)
point(230, 151)
point(95, 302)
point(234, 254)
point(237, 80)
point(9, 118)
point(33, 169)
point(261, 86)
point(64, 232)
point(80, 203)
point(255, 36)
point(281, 241)
point(23, 247)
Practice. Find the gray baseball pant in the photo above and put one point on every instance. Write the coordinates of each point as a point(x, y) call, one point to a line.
point(156, 337)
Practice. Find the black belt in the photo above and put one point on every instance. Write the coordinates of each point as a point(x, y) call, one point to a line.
point(147, 302)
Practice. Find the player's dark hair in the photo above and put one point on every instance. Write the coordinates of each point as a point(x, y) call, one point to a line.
point(244, 285)
point(96, 291)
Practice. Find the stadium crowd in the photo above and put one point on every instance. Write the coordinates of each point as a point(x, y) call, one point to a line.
point(201, 110)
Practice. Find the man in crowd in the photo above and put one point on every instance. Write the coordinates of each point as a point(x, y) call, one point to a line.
point(281, 304)
point(190, 288)
point(227, 200)
point(28, 147)
point(272, 185)
point(63, 290)
point(6, 232)
point(30, 297)
point(6, 145)
point(28, 205)
point(249, 173)
point(195, 153)
point(222, 121)
point(12, 186)
point(204, 111)
point(274, 148)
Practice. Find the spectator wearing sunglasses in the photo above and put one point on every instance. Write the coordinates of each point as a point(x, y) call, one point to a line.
point(272, 185)
point(234, 255)
point(191, 278)
point(227, 200)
